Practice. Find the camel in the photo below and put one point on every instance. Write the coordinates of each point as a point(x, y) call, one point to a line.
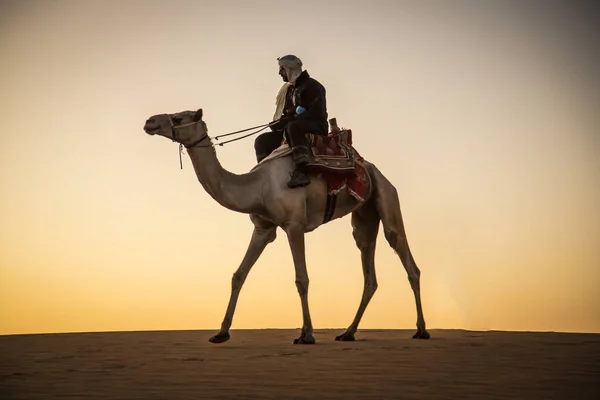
point(263, 194)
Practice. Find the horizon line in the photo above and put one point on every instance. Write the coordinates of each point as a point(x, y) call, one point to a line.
point(299, 328)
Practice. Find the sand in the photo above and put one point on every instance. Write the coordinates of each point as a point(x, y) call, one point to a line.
point(263, 364)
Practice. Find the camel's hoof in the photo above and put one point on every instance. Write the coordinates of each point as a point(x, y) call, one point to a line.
point(421, 334)
point(219, 338)
point(305, 340)
point(345, 338)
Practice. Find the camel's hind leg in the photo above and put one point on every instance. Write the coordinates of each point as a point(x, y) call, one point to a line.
point(388, 207)
point(365, 225)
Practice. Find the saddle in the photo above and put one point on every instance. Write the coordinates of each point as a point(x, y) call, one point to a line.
point(333, 152)
point(333, 157)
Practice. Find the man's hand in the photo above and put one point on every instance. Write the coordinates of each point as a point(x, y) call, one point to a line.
point(280, 123)
point(289, 113)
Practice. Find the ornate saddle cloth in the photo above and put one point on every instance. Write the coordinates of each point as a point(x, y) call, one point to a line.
point(339, 163)
point(334, 151)
point(336, 159)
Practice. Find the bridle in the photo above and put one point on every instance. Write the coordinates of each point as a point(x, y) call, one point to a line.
point(175, 134)
point(197, 142)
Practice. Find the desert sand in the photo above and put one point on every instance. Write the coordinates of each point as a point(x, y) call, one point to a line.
point(264, 364)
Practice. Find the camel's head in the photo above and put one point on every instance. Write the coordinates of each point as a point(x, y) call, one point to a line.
point(184, 127)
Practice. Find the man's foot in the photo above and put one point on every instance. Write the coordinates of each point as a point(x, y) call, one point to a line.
point(299, 179)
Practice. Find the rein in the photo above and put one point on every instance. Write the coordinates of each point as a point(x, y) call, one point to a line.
point(175, 136)
point(243, 130)
point(262, 128)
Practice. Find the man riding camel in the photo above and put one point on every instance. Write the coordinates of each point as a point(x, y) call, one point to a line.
point(301, 108)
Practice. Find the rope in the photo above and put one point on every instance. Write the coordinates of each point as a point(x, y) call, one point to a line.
point(245, 136)
point(262, 128)
point(243, 130)
point(180, 152)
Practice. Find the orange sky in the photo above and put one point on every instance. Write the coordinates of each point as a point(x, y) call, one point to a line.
point(485, 118)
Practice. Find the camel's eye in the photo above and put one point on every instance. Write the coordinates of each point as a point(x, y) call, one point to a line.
point(177, 119)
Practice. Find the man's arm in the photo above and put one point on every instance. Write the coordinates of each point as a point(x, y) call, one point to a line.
point(312, 96)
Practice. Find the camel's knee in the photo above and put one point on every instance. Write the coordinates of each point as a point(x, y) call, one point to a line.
point(392, 237)
point(302, 285)
point(414, 273)
point(364, 232)
point(413, 270)
point(238, 280)
point(371, 287)
point(399, 244)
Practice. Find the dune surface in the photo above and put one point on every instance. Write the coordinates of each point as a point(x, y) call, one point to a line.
point(264, 364)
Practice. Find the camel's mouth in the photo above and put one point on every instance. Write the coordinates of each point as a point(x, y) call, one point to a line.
point(151, 126)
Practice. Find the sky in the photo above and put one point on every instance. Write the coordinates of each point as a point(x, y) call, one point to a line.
point(484, 115)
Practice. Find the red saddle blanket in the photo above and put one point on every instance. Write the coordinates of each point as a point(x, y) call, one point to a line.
point(339, 163)
point(334, 151)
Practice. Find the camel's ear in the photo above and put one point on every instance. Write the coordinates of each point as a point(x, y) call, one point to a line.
point(198, 115)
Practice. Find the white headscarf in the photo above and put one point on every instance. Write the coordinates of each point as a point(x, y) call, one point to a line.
point(293, 68)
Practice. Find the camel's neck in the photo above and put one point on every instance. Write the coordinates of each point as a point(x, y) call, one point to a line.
point(235, 192)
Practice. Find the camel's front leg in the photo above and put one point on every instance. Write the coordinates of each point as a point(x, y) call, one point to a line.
point(260, 238)
point(296, 240)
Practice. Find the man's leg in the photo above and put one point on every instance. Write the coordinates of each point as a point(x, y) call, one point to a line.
point(265, 143)
point(296, 134)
